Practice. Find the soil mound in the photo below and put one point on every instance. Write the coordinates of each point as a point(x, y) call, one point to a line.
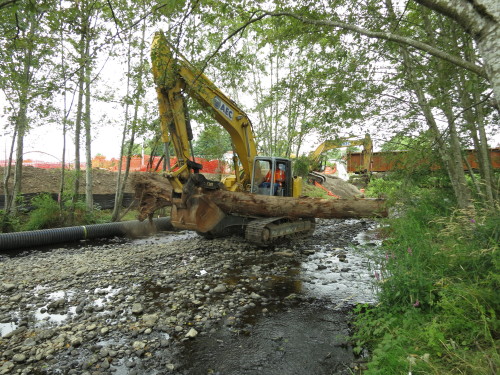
point(38, 180)
point(341, 188)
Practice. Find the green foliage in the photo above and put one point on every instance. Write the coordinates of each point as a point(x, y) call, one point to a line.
point(399, 142)
point(45, 215)
point(212, 143)
point(8, 223)
point(48, 214)
point(315, 192)
point(152, 147)
point(301, 166)
point(383, 187)
point(438, 280)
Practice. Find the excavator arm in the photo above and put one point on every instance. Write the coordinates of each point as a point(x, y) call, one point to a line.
point(330, 144)
point(175, 78)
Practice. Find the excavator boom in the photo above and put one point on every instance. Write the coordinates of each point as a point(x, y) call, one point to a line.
point(330, 144)
point(175, 77)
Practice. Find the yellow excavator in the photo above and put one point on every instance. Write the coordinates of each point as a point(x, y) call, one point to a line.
point(176, 79)
point(315, 156)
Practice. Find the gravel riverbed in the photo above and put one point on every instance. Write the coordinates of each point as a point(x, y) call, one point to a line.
point(176, 303)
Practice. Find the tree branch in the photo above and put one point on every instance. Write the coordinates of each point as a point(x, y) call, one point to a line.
point(115, 20)
point(238, 30)
point(7, 3)
point(479, 70)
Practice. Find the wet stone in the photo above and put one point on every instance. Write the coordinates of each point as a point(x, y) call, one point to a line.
point(137, 309)
point(164, 295)
point(19, 358)
point(7, 287)
point(6, 367)
point(192, 333)
point(221, 288)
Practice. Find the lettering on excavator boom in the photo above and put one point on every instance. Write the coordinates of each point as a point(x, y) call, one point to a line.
point(223, 107)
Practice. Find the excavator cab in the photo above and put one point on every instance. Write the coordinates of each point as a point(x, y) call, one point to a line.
point(272, 176)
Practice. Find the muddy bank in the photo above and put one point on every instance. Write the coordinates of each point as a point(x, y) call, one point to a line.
point(179, 304)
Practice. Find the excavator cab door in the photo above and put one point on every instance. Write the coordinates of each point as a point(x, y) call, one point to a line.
point(272, 176)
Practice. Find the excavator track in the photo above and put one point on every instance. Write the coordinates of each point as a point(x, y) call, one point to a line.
point(267, 231)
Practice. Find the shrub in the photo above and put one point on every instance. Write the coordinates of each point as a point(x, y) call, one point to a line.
point(301, 166)
point(45, 215)
point(8, 223)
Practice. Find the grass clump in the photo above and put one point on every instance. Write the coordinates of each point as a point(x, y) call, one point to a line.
point(439, 283)
point(312, 191)
point(48, 213)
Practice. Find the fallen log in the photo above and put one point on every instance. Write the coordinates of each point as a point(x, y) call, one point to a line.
point(154, 192)
point(294, 208)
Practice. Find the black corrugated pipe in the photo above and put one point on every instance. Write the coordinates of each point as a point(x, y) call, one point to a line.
point(10, 241)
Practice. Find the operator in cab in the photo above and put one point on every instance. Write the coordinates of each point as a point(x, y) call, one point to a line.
point(279, 178)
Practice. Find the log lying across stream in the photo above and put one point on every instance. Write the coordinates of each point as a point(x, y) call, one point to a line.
point(154, 192)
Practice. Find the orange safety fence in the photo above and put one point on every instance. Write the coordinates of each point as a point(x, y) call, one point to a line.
point(137, 164)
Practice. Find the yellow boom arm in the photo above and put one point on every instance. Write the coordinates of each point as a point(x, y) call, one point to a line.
point(175, 77)
point(344, 142)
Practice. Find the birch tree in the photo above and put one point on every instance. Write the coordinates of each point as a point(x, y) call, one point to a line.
point(26, 54)
point(480, 18)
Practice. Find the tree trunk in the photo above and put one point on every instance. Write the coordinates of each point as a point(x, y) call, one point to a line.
point(21, 126)
point(481, 18)
point(475, 124)
point(6, 177)
point(460, 188)
point(89, 201)
point(121, 183)
point(155, 192)
point(270, 206)
point(64, 120)
point(462, 191)
point(78, 126)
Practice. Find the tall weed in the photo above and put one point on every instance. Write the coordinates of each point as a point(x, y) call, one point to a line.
point(48, 213)
point(439, 301)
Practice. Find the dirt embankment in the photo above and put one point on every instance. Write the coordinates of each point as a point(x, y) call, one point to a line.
point(38, 180)
point(341, 188)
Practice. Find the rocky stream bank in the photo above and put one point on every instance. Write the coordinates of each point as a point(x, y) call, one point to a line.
point(177, 303)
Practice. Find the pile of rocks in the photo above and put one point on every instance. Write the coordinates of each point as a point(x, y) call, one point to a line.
point(76, 310)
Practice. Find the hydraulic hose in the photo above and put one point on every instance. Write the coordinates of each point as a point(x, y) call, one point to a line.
point(135, 228)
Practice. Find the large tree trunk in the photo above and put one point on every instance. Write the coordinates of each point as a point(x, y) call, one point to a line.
point(154, 192)
point(271, 206)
